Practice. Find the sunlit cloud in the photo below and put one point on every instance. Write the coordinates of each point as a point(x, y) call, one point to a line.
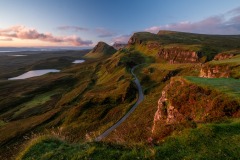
point(24, 33)
point(72, 28)
point(228, 23)
point(6, 39)
point(103, 33)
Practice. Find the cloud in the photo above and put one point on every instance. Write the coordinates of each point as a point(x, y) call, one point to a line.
point(6, 39)
point(72, 28)
point(234, 11)
point(122, 38)
point(103, 33)
point(22, 32)
point(222, 24)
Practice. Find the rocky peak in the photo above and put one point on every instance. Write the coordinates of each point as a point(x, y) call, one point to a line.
point(101, 49)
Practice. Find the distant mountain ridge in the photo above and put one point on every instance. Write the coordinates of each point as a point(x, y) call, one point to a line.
point(168, 45)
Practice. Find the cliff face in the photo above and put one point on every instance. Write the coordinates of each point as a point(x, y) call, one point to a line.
point(184, 103)
point(222, 56)
point(178, 55)
point(150, 43)
point(217, 71)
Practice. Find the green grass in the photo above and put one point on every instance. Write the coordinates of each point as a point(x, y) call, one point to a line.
point(36, 101)
point(207, 141)
point(2, 123)
point(229, 86)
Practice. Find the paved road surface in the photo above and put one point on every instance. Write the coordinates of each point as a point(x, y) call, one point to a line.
point(140, 99)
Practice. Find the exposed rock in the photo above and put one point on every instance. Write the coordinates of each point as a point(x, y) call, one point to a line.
point(118, 46)
point(134, 40)
point(153, 46)
point(183, 102)
point(222, 56)
point(217, 71)
point(142, 37)
point(178, 55)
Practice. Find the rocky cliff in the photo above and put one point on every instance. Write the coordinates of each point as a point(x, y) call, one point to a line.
point(151, 44)
point(217, 71)
point(222, 56)
point(178, 55)
point(222, 66)
point(184, 103)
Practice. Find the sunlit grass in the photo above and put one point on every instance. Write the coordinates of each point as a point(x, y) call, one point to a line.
point(226, 85)
point(207, 141)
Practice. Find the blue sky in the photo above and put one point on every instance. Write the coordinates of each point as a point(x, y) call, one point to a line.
point(85, 22)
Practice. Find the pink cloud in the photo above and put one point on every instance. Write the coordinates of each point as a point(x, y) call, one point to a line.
point(5, 39)
point(72, 28)
point(121, 39)
point(102, 32)
point(211, 25)
point(22, 32)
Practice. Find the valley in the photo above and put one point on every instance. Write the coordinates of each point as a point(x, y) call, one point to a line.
point(170, 95)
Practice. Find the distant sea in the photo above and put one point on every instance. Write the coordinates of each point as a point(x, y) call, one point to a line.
point(28, 49)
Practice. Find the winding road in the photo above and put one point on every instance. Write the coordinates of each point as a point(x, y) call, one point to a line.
point(140, 99)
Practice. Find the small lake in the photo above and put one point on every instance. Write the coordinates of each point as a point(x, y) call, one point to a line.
point(78, 61)
point(18, 55)
point(34, 73)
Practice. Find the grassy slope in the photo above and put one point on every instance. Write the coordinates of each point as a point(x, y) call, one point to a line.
point(207, 141)
point(153, 77)
point(100, 50)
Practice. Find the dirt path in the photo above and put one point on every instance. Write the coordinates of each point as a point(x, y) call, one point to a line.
point(140, 99)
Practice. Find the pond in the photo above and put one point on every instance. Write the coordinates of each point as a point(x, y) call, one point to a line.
point(78, 61)
point(18, 55)
point(34, 73)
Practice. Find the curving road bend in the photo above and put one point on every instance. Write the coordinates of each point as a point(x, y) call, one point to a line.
point(140, 99)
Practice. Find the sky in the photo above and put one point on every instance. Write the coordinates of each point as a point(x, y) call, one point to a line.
point(82, 23)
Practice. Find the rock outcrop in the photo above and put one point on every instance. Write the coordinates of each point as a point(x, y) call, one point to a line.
point(178, 55)
point(185, 103)
point(222, 56)
point(215, 71)
point(151, 43)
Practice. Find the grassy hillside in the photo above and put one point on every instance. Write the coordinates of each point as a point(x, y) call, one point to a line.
point(83, 100)
point(207, 141)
